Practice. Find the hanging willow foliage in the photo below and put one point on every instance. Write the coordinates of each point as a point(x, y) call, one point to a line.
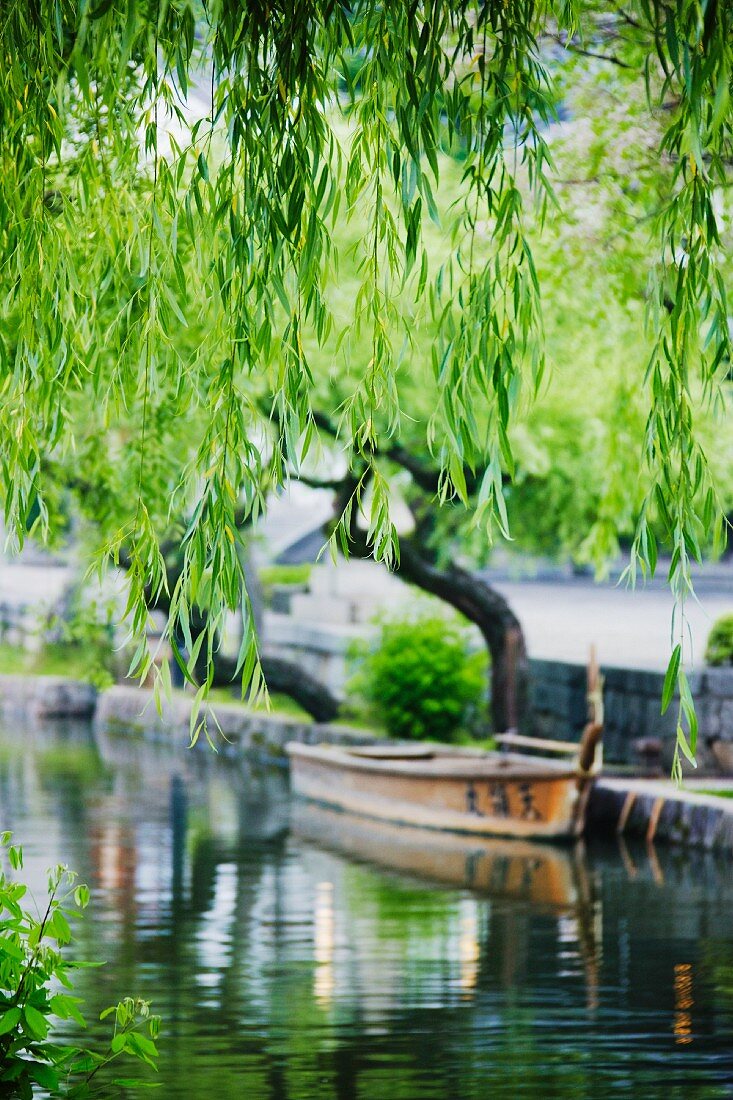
point(170, 168)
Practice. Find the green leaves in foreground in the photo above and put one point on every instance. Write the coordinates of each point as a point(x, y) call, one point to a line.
point(169, 259)
point(676, 682)
point(175, 179)
point(36, 992)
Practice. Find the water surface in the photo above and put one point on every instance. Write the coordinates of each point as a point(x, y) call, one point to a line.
point(295, 955)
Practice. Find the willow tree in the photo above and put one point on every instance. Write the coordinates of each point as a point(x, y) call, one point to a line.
point(237, 135)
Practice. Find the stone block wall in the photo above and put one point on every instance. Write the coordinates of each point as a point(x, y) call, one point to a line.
point(635, 727)
point(557, 702)
point(46, 697)
point(132, 710)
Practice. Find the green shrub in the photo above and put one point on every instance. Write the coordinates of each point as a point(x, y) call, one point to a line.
point(36, 992)
point(421, 679)
point(720, 642)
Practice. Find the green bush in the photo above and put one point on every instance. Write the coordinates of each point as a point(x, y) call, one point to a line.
point(720, 642)
point(421, 679)
point(36, 992)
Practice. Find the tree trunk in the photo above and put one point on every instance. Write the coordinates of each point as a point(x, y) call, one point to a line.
point(481, 605)
point(291, 679)
point(283, 676)
point(491, 613)
point(464, 591)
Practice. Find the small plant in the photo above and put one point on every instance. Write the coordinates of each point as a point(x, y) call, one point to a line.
point(36, 990)
point(83, 641)
point(720, 642)
point(421, 679)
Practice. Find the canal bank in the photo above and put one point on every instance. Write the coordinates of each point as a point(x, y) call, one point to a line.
point(657, 810)
point(654, 810)
point(233, 727)
point(133, 710)
point(637, 733)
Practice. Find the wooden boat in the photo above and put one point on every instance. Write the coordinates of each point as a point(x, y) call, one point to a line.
point(461, 790)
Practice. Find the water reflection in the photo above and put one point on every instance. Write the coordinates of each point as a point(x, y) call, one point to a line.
point(294, 955)
point(543, 875)
point(549, 879)
point(324, 942)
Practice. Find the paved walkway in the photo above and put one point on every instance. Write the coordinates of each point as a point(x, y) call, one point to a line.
point(561, 617)
point(33, 585)
point(630, 627)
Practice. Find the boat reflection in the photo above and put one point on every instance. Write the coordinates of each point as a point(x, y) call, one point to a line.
point(547, 878)
point(520, 870)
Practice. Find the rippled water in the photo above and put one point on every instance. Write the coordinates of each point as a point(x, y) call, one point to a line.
point(287, 962)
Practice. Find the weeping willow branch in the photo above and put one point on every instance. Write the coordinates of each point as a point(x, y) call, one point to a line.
point(171, 330)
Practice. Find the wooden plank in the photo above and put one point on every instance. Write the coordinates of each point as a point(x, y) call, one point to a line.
point(654, 819)
point(625, 811)
point(440, 766)
point(393, 752)
point(521, 741)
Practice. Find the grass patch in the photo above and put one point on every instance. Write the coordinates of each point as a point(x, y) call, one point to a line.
point(356, 714)
point(726, 792)
point(75, 662)
point(285, 574)
point(279, 704)
point(465, 740)
point(14, 661)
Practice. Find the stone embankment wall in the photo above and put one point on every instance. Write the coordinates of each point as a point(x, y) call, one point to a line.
point(133, 710)
point(31, 697)
point(233, 729)
point(636, 732)
point(658, 811)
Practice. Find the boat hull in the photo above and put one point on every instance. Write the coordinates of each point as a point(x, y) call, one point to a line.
point(476, 794)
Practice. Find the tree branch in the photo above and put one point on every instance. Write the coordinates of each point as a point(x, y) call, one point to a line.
point(628, 19)
point(424, 475)
point(571, 47)
point(317, 482)
point(476, 601)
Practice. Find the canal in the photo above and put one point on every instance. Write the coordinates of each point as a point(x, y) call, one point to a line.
point(297, 955)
